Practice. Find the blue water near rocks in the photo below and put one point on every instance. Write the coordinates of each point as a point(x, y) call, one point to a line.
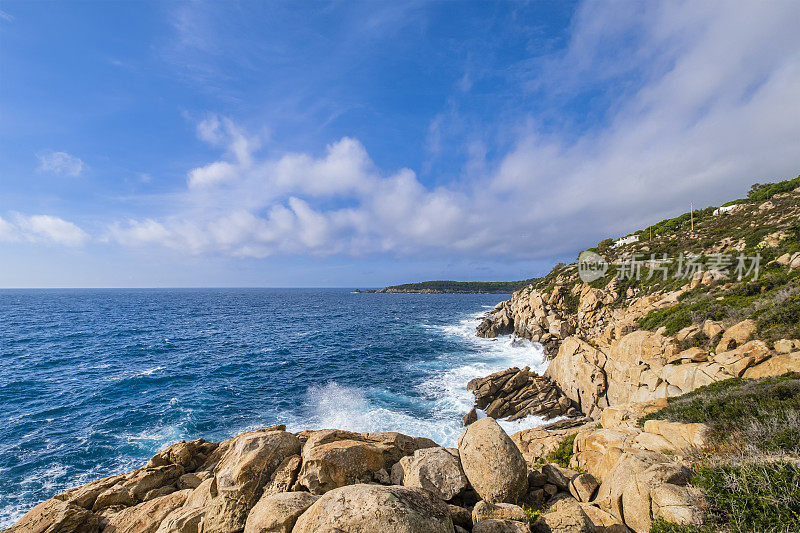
point(94, 382)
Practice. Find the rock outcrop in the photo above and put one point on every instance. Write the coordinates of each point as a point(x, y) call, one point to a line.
point(513, 394)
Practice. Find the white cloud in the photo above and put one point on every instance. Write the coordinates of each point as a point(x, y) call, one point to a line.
point(41, 229)
point(60, 163)
point(715, 108)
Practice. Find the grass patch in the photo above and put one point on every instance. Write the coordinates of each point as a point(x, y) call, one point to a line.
point(562, 455)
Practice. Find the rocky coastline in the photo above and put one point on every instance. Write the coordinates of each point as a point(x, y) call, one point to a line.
point(652, 388)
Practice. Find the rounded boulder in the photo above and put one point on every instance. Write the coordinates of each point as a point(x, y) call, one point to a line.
point(492, 462)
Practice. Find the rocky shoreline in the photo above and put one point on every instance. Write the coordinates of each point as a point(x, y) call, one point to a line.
point(621, 456)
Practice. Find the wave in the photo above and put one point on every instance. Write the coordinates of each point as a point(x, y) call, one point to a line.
point(441, 395)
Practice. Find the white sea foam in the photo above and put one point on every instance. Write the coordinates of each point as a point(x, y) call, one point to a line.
point(150, 371)
point(442, 393)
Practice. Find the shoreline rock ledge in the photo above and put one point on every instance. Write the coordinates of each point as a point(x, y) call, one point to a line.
point(334, 481)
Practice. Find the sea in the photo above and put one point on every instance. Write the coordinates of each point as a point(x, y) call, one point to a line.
point(94, 382)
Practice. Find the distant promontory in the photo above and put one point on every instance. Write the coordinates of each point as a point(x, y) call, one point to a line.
point(456, 287)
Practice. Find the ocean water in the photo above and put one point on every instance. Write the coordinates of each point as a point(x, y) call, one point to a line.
point(94, 382)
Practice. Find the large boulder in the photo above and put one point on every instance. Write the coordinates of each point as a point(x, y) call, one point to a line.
point(583, 487)
point(145, 517)
point(242, 472)
point(183, 520)
point(659, 491)
point(682, 437)
point(737, 335)
point(277, 513)
point(578, 371)
point(334, 458)
point(630, 463)
point(56, 515)
point(492, 462)
point(565, 516)
point(370, 508)
point(437, 470)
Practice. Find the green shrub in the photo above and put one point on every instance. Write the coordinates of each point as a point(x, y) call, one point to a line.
point(753, 497)
point(760, 192)
point(734, 202)
point(673, 318)
point(563, 453)
point(766, 410)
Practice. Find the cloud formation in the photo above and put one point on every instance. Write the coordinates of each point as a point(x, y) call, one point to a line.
point(46, 229)
point(60, 163)
point(706, 103)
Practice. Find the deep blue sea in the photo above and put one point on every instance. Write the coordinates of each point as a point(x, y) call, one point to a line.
point(94, 382)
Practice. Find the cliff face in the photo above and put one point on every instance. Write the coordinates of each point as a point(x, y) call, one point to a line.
point(620, 339)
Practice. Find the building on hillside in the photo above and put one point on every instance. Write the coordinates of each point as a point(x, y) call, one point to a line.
point(725, 209)
point(625, 240)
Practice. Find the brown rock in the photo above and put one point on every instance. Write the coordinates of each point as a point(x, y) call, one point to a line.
point(775, 366)
point(116, 495)
point(146, 479)
point(56, 516)
point(497, 511)
point(677, 504)
point(146, 517)
point(284, 476)
point(461, 517)
point(183, 520)
point(583, 486)
point(559, 476)
point(85, 495)
point(500, 526)
point(188, 454)
point(189, 481)
point(277, 513)
point(736, 335)
point(470, 417)
point(376, 508)
point(437, 470)
point(565, 516)
point(603, 521)
point(242, 472)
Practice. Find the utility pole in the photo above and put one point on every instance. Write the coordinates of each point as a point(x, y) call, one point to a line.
point(691, 214)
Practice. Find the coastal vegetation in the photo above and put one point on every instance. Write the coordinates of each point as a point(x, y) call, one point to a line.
point(750, 473)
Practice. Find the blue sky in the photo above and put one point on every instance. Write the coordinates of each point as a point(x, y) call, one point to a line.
point(364, 144)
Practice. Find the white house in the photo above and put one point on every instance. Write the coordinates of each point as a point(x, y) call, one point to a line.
point(625, 240)
point(725, 209)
